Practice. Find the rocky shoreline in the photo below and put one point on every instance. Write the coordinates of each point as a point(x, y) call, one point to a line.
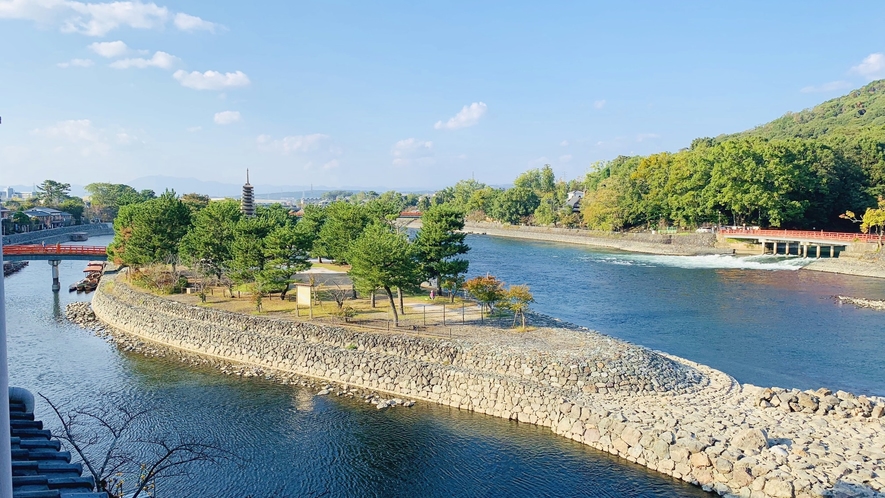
point(669, 414)
point(862, 303)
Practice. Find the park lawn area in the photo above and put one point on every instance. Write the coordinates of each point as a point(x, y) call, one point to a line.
point(218, 298)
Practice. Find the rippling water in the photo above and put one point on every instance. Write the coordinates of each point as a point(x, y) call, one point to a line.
point(288, 442)
point(756, 318)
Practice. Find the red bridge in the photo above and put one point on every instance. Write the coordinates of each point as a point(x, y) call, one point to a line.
point(797, 235)
point(800, 242)
point(53, 252)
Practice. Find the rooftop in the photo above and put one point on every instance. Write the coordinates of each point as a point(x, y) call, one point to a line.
point(39, 468)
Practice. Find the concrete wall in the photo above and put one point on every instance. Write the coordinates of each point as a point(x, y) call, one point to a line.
point(54, 235)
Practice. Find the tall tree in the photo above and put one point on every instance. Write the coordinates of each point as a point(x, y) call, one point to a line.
point(208, 244)
point(286, 250)
point(344, 223)
point(52, 193)
point(150, 232)
point(513, 205)
point(383, 258)
point(439, 243)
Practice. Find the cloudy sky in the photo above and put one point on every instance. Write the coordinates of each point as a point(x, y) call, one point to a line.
point(403, 94)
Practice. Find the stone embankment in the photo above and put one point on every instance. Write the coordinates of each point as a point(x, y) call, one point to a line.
point(653, 243)
point(54, 235)
point(672, 415)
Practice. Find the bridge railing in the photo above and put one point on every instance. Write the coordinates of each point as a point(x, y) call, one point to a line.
point(803, 234)
point(53, 249)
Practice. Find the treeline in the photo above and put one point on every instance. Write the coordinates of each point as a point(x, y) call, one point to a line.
point(790, 183)
point(802, 170)
point(266, 250)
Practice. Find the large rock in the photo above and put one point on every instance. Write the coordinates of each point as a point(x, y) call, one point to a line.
point(751, 440)
point(778, 488)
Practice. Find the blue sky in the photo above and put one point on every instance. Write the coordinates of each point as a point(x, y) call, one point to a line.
point(403, 94)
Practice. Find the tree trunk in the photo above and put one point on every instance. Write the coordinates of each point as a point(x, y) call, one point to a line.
point(399, 293)
point(392, 305)
point(373, 297)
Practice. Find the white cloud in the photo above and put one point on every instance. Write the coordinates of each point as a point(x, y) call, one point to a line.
point(565, 158)
point(211, 80)
point(187, 22)
point(227, 117)
point(872, 67)
point(411, 151)
point(109, 49)
point(828, 87)
point(468, 116)
point(193, 129)
point(646, 136)
point(161, 60)
point(98, 19)
point(76, 63)
point(80, 132)
point(599, 104)
point(564, 143)
point(313, 151)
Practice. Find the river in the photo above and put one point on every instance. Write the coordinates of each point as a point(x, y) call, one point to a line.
point(288, 442)
point(756, 318)
point(751, 320)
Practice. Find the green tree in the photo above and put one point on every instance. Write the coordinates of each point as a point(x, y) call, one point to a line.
point(545, 214)
point(344, 223)
point(52, 193)
point(150, 232)
point(439, 242)
point(195, 202)
point(513, 205)
point(383, 258)
point(208, 245)
point(286, 250)
point(248, 255)
point(106, 199)
point(74, 206)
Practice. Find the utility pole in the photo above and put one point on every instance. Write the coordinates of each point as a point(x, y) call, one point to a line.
point(5, 441)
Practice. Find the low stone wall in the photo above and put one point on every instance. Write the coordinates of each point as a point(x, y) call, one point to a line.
point(54, 235)
point(671, 415)
point(681, 244)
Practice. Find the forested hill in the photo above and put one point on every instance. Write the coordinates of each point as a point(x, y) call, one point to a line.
point(860, 112)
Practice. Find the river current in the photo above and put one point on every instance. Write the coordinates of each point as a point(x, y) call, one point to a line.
point(757, 320)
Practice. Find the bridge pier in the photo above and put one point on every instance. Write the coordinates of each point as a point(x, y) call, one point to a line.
point(56, 284)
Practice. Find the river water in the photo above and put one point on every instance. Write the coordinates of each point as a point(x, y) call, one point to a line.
point(762, 326)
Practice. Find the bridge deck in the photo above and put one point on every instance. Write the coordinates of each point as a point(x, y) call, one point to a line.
point(27, 252)
point(803, 236)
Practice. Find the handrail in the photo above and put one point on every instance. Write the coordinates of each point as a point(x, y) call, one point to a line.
point(802, 234)
point(39, 250)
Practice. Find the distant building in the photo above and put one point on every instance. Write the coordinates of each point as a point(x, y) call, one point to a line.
point(574, 200)
point(50, 218)
point(247, 202)
point(7, 194)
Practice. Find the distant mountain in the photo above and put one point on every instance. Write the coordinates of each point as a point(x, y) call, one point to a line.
point(860, 111)
point(160, 183)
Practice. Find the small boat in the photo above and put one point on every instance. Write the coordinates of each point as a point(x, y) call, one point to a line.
point(79, 236)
